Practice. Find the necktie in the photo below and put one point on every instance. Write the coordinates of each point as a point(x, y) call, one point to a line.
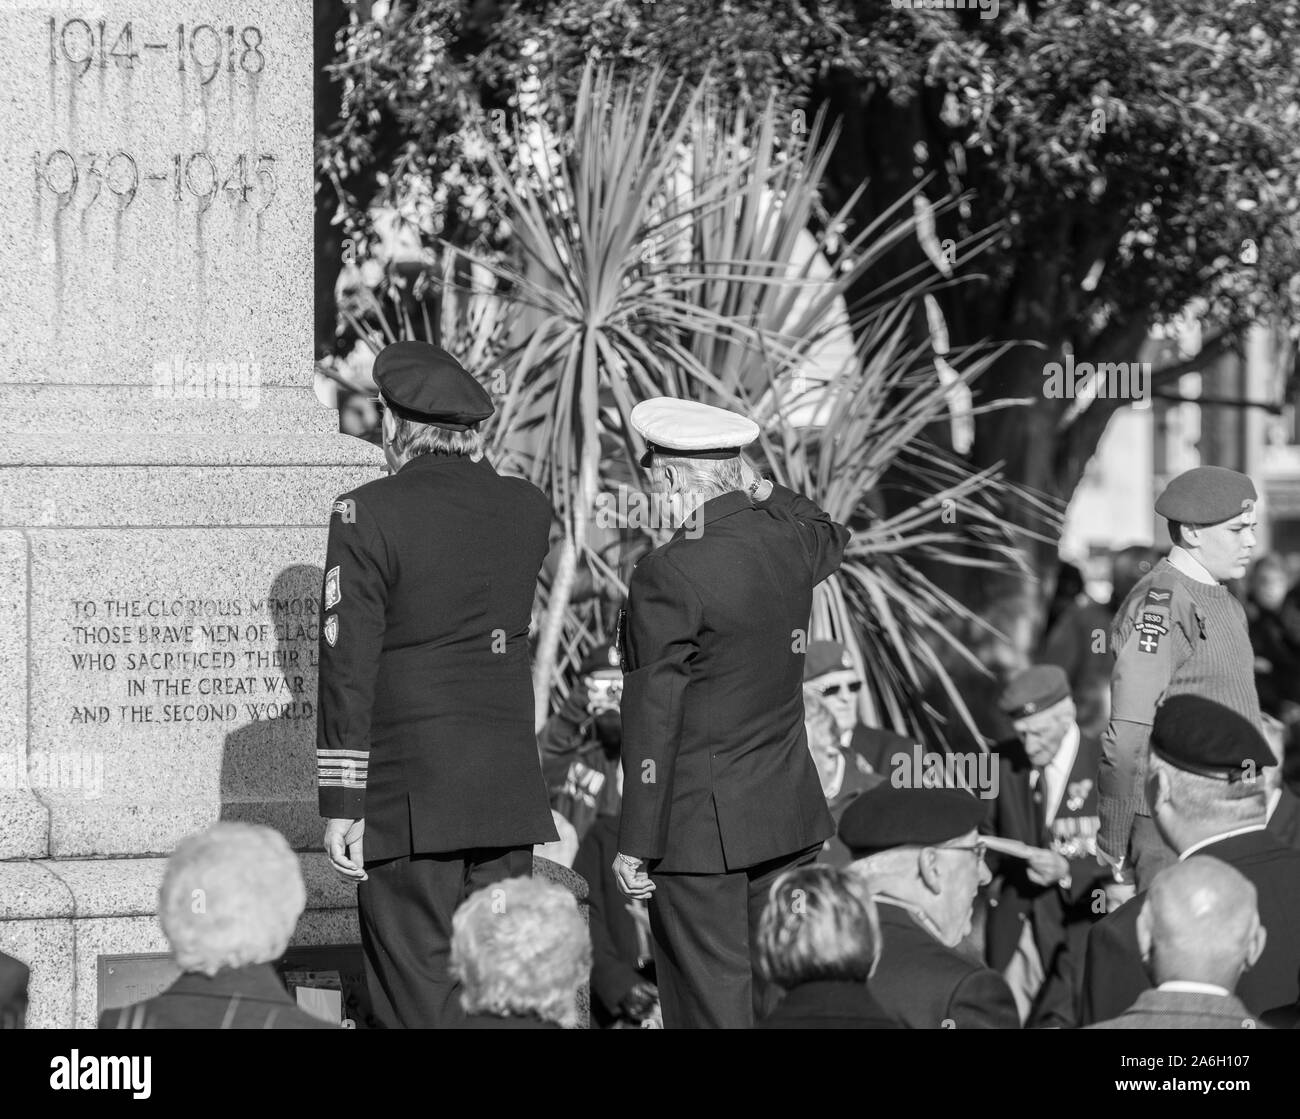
point(1038, 784)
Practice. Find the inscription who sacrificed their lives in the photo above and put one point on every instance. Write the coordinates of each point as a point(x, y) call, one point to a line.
point(81, 47)
point(190, 661)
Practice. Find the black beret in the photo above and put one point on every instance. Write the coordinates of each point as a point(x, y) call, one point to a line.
point(423, 382)
point(1207, 495)
point(1201, 736)
point(1033, 689)
point(886, 817)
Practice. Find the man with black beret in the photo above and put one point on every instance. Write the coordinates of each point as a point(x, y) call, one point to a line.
point(1179, 632)
point(923, 859)
point(1208, 796)
point(1041, 907)
point(425, 739)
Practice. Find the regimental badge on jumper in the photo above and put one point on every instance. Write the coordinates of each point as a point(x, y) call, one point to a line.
point(332, 630)
point(1151, 622)
point(333, 595)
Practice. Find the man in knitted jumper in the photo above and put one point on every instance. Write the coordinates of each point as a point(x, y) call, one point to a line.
point(1179, 632)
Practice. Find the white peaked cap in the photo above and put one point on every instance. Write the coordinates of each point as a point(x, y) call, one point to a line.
point(691, 429)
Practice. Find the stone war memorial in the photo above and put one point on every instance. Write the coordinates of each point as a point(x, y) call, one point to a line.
point(167, 474)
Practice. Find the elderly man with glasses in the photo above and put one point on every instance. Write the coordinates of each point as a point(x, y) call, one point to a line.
point(830, 675)
point(923, 860)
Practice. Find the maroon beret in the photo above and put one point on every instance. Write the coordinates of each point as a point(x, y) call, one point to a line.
point(824, 657)
point(1035, 688)
point(1207, 495)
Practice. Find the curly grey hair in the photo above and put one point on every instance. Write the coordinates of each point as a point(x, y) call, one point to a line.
point(230, 897)
point(520, 947)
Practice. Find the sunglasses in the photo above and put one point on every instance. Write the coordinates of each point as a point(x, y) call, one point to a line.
point(835, 689)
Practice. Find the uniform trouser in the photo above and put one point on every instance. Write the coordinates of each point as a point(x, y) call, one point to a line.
point(1149, 854)
point(405, 908)
point(705, 944)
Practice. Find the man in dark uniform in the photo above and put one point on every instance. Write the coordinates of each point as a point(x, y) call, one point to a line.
point(1041, 907)
point(1209, 796)
point(922, 858)
point(1180, 632)
point(425, 722)
point(720, 795)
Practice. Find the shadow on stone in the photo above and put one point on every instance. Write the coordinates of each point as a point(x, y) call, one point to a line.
point(268, 767)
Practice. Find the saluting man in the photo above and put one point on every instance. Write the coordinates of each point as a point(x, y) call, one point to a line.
point(425, 722)
point(720, 793)
point(1179, 632)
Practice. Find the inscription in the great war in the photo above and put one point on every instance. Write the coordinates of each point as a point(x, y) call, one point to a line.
point(185, 660)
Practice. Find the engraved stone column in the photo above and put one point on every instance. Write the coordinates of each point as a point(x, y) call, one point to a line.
point(165, 473)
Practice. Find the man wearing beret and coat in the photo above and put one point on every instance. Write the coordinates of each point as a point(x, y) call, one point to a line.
point(1179, 632)
point(425, 739)
point(920, 853)
point(1209, 796)
point(1040, 908)
point(720, 793)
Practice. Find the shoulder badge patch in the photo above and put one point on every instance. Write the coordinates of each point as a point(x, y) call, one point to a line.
point(333, 594)
point(346, 508)
point(332, 629)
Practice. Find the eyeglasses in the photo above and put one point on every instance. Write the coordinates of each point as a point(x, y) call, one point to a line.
point(834, 689)
point(980, 850)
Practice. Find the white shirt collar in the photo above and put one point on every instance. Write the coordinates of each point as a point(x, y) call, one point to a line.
point(838, 782)
point(1193, 988)
point(1219, 839)
point(1057, 772)
point(1190, 566)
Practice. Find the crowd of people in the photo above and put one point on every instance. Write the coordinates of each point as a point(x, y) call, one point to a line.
point(1121, 851)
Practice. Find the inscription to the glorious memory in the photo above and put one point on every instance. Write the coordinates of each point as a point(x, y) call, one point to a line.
point(174, 660)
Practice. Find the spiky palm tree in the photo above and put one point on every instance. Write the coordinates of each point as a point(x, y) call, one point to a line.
point(662, 246)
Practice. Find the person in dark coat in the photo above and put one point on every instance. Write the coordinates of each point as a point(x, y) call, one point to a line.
point(720, 795)
point(425, 734)
point(521, 951)
point(844, 773)
point(1040, 908)
point(1199, 932)
point(921, 855)
point(580, 744)
point(229, 901)
point(830, 675)
point(819, 941)
point(1208, 796)
point(13, 993)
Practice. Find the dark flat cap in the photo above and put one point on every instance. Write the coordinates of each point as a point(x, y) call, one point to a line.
point(824, 657)
point(1035, 688)
point(423, 382)
point(886, 817)
point(1208, 495)
point(1201, 736)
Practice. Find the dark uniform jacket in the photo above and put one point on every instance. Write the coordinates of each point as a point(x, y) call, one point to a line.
point(13, 992)
point(717, 774)
point(1115, 976)
point(828, 1005)
point(425, 719)
point(926, 985)
point(241, 998)
point(858, 778)
point(1061, 916)
point(880, 747)
point(1182, 1010)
